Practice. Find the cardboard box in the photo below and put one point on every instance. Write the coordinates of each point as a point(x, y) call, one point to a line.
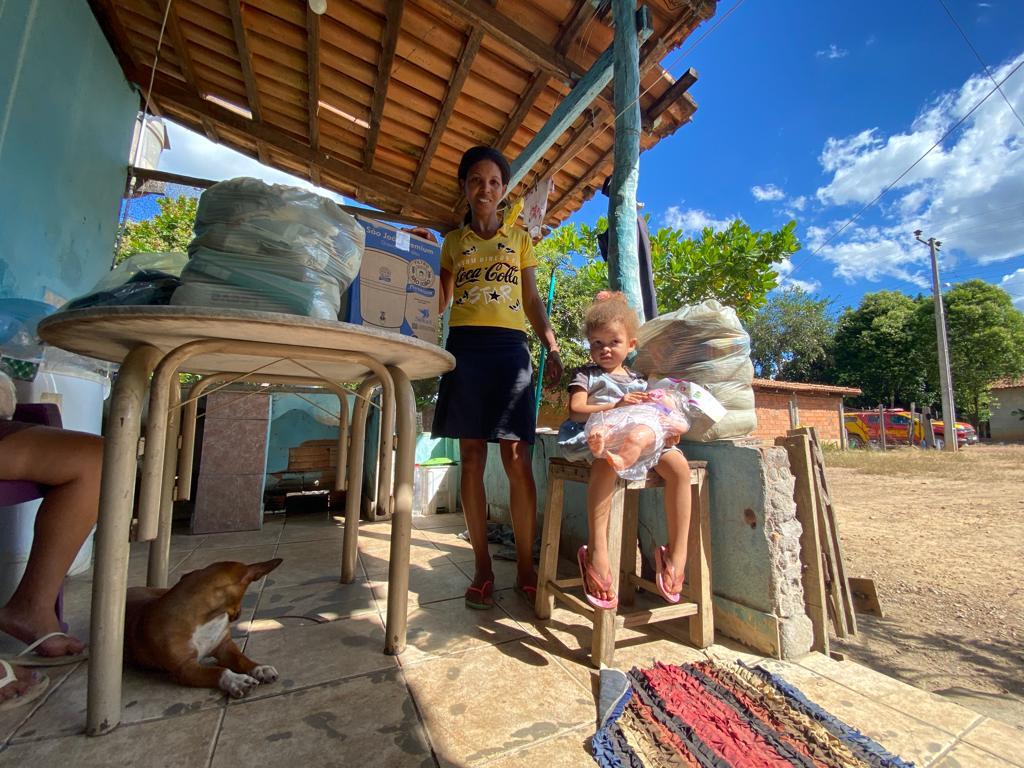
point(398, 283)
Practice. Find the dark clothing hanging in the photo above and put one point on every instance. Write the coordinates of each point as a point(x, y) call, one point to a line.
point(643, 249)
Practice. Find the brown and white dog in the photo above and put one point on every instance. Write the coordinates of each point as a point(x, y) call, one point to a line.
point(175, 629)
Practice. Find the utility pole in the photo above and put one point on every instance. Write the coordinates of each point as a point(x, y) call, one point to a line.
point(945, 377)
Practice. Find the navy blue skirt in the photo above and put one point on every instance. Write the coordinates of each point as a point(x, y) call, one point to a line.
point(489, 394)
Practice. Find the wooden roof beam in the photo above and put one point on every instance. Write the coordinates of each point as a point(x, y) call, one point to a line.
point(313, 86)
point(572, 106)
point(481, 14)
point(581, 182)
point(185, 59)
point(172, 92)
point(252, 94)
point(389, 43)
point(469, 51)
point(672, 95)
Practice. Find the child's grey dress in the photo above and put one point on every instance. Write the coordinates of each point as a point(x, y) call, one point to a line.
point(601, 388)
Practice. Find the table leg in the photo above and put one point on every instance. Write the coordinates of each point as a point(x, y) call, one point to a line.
point(401, 520)
point(160, 547)
point(353, 496)
point(110, 576)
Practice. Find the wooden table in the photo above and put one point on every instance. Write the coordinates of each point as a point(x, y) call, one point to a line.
point(160, 342)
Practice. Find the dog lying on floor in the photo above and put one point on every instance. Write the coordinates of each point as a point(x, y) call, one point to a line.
point(175, 629)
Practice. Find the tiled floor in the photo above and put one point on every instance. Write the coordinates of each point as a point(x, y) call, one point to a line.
point(473, 688)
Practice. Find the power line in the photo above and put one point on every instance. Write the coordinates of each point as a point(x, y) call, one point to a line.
point(913, 165)
point(980, 60)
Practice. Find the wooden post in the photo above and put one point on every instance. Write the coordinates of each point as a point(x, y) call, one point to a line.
point(844, 441)
point(794, 413)
point(881, 425)
point(815, 597)
point(926, 424)
point(910, 429)
point(623, 263)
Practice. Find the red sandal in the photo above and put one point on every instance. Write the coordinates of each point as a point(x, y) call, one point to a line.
point(479, 598)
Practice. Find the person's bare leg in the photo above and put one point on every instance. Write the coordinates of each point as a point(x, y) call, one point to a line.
point(69, 462)
point(518, 462)
point(599, 505)
point(638, 440)
point(675, 471)
point(473, 454)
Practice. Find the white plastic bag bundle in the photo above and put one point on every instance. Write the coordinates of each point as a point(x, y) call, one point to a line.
point(632, 438)
point(271, 248)
point(704, 343)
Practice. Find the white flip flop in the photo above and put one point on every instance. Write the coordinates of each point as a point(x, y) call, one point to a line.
point(27, 657)
point(37, 689)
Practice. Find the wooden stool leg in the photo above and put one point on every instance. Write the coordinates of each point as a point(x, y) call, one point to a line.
point(602, 650)
point(698, 565)
point(630, 524)
point(548, 571)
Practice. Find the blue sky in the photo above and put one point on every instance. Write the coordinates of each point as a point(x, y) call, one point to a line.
point(807, 110)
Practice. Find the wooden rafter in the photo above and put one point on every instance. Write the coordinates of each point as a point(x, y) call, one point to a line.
point(313, 86)
point(392, 25)
point(673, 94)
point(181, 49)
point(374, 184)
point(245, 59)
point(252, 94)
point(536, 87)
point(469, 51)
point(480, 14)
point(583, 180)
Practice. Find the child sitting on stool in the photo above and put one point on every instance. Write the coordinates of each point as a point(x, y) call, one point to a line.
point(610, 326)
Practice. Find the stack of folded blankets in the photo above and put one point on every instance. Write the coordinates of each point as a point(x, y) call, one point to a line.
point(270, 248)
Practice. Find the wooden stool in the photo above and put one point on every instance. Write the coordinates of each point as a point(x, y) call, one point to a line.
point(622, 551)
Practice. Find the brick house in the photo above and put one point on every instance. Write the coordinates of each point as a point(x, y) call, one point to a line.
point(817, 405)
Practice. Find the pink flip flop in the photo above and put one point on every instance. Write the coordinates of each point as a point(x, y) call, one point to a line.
point(662, 563)
point(586, 570)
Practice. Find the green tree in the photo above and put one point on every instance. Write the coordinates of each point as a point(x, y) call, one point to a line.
point(877, 348)
point(791, 334)
point(169, 230)
point(736, 266)
point(986, 342)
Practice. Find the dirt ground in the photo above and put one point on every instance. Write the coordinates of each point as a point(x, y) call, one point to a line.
point(942, 535)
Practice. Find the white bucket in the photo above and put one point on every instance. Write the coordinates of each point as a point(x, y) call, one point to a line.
point(435, 488)
point(80, 396)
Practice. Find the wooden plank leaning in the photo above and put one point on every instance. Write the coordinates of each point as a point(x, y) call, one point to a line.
point(812, 576)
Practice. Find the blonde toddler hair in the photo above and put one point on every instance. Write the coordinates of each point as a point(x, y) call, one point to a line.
point(610, 307)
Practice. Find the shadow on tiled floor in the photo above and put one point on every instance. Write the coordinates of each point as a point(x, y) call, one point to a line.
point(473, 688)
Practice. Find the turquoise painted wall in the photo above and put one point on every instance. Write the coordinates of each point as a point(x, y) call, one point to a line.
point(295, 419)
point(66, 117)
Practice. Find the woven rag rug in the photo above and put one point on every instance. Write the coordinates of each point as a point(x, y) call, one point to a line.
point(712, 715)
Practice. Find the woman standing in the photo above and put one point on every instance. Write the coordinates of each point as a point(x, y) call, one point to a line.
point(488, 275)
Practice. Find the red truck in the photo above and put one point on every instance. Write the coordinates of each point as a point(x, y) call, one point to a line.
point(862, 429)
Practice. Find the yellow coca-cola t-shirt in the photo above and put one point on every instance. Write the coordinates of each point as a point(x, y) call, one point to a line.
point(488, 276)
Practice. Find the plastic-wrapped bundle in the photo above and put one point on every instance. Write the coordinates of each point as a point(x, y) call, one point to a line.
point(148, 279)
point(270, 248)
point(631, 438)
point(707, 344)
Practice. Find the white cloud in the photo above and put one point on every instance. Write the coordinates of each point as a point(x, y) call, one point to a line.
point(694, 220)
point(194, 155)
point(833, 52)
point(767, 192)
point(967, 192)
point(984, 5)
point(798, 203)
point(784, 268)
point(1013, 284)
